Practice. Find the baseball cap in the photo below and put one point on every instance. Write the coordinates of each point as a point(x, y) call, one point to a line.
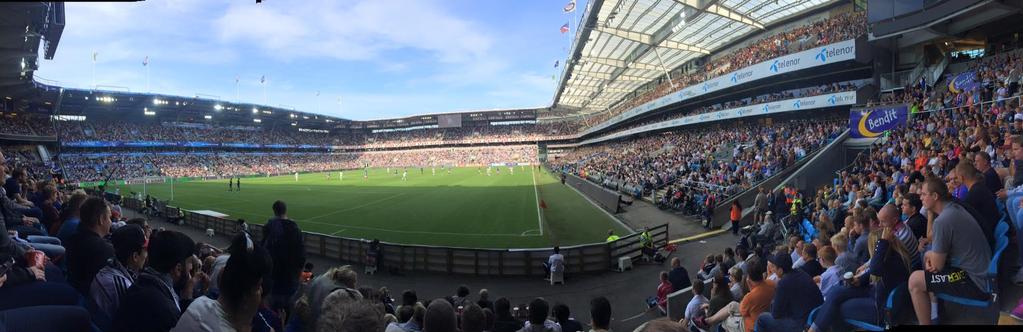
point(129, 238)
point(782, 260)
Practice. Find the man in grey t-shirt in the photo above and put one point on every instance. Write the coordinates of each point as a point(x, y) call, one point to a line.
point(957, 263)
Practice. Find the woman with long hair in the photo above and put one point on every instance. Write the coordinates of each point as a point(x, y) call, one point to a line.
point(861, 299)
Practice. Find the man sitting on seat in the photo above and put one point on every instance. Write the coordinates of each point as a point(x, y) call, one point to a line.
point(555, 263)
point(957, 237)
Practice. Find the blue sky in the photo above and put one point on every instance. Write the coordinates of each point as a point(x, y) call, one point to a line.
point(382, 58)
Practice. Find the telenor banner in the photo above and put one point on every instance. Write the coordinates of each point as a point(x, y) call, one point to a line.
point(875, 121)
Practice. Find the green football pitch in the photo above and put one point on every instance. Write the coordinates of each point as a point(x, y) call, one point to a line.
point(465, 208)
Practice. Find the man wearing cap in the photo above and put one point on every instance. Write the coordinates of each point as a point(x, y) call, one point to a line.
point(795, 296)
point(130, 252)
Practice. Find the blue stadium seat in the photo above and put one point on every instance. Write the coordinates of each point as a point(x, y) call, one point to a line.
point(897, 296)
point(1001, 229)
point(809, 232)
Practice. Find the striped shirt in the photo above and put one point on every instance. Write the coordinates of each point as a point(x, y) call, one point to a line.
point(110, 285)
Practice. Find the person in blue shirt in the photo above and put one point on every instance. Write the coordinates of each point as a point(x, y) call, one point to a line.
point(795, 296)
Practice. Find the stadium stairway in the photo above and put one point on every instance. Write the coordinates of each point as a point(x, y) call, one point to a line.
point(627, 291)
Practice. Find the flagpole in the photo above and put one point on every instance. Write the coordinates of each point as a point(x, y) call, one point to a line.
point(148, 90)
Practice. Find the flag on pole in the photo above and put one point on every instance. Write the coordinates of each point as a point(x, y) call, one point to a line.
point(236, 78)
point(94, 55)
point(556, 63)
point(543, 205)
point(564, 28)
point(145, 62)
point(262, 79)
point(317, 93)
point(570, 7)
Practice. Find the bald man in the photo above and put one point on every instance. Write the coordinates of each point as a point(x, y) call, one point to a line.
point(889, 217)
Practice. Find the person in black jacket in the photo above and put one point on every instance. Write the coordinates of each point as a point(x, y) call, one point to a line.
point(283, 239)
point(87, 251)
point(505, 321)
point(163, 290)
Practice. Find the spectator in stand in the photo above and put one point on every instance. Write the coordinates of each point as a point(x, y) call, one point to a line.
point(663, 289)
point(736, 277)
point(890, 264)
point(720, 295)
point(843, 258)
point(831, 275)
point(694, 306)
point(562, 314)
point(345, 315)
point(414, 321)
point(440, 317)
point(600, 314)
point(538, 322)
point(246, 275)
point(678, 276)
point(889, 218)
point(911, 207)
point(164, 289)
point(505, 321)
point(70, 217)
point(461, 297)
point(472, 319)
point(87, 251)
point(284, 240)
point(795, 295)
point(130, 252)
point(753, 304)
point(967, 246)
point(979, 197)
point(484, 302)
point(811, 267)
point(861, 227)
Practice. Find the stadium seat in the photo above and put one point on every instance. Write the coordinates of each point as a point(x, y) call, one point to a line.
point(624, 263)
point(1002, 228)
point(557, 277)
point(893, 305)
point(809, 232)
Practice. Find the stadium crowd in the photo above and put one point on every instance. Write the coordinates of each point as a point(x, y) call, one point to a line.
point(833, 29)
point(26, 125)
point(765, 98)
point(73, 263)
point(106, 131)
point(93, 167)
point(929, 210)
point(700, 166)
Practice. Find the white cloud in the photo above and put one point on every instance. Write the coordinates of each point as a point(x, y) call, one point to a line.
point(362, 30)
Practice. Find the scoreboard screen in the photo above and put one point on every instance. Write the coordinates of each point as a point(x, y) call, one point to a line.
point(449, 121)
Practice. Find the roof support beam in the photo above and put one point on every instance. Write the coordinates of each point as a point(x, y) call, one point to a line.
point(712, 6)
point(622, 64)
point(649, 40)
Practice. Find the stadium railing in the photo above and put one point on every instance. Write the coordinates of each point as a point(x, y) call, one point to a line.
point(585, 258)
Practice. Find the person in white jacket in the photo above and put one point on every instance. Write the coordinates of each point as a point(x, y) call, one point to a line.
point(241, 292)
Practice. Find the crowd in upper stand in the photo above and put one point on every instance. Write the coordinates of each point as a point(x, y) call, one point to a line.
point(130, 166)
point(833, 29)
point(715, 161)
point(95, 130)
point(759, 99)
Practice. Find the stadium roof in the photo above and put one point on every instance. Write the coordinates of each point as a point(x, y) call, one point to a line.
point(626, 44)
